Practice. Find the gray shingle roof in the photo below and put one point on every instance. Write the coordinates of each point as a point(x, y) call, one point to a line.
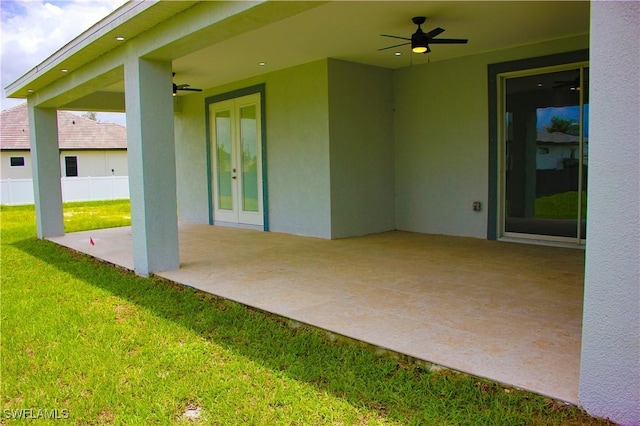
point(556, 137)
point(74, 132)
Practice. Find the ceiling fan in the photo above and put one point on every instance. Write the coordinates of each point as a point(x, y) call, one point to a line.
point(569, 84)
point(183, 87)
point(420, 40)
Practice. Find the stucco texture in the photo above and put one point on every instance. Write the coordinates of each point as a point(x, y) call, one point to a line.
point(361, 134)
point(610, 365)
point(297, 160)
point(441, 140)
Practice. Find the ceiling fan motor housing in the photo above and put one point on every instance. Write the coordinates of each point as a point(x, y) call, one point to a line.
point(419, 40)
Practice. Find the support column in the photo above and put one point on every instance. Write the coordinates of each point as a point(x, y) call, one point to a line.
point(610, 362)
point(152, 165)
point(45, 162)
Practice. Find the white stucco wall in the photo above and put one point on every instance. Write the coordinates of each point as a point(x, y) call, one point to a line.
point(297, 150)
point(310, 193)
point(361, 143)
point(90, 163)
point(98, 163)
point(17, 172)
point(191, 160)
point(441, 140)
point(152, 166)
point(317, 185)
point(610, 363)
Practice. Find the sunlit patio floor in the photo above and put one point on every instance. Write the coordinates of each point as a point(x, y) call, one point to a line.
point(505, 311)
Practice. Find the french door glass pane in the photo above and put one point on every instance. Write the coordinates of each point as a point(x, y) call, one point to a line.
point(223, 160)
point(543, 149)
point(249, 148)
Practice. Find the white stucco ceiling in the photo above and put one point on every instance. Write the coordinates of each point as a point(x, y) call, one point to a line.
point(350, 30)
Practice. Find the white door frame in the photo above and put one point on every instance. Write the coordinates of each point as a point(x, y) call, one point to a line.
point(235, 213)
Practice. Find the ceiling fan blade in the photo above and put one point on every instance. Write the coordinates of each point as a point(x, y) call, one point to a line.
point(434, 32)
point(190, 89)
point(181, 86)
point(397, 45)
point(574, 82)
point(448, 41)
point(392, 36)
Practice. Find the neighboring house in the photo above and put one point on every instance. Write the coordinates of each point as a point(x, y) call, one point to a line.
point(87, 147)
point(557, 150)
point(305, 127)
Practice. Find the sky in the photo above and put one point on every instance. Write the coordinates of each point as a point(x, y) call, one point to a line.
point(32, 30)
point(572, 112)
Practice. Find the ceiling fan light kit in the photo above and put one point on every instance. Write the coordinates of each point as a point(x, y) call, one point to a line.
point(420, 40)
point(418, 46)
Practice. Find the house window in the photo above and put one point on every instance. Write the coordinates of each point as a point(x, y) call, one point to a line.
point(71, 166)
point(17, 161)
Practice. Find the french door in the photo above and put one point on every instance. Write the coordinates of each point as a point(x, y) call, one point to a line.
point(236, 151)
point(544, 153)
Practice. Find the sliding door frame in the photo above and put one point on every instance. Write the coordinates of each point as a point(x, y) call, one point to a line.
point(496, 73)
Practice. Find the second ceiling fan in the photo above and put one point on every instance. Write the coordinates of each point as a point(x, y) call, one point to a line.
point(420, 40)
point(185, 87)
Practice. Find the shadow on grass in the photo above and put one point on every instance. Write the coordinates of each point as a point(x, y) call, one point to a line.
point(396, 390)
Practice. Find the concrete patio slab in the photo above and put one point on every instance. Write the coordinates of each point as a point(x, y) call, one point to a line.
point(505, 311)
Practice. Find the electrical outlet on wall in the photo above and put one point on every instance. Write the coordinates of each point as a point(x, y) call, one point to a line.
point(477, 206)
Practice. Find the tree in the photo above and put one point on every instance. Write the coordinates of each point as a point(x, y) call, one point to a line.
point(568, 126)
point(91, 115)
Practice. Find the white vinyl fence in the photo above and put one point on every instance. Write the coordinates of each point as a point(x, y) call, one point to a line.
point(20, 191)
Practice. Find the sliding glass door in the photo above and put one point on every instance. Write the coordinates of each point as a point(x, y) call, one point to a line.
point(544, 153)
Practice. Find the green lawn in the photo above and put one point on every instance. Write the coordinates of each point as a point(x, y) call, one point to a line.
point(104, 347)
point(561, 206)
